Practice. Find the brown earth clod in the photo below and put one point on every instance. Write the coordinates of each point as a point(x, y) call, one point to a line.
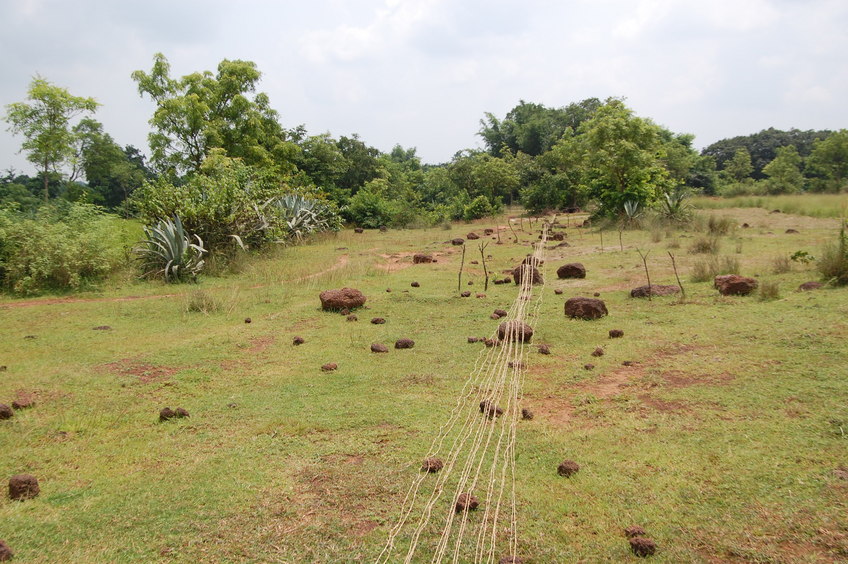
point(329, 367)
point(344, 298)
point(298, 341)
point(379, 348)
point(568, 468)
point(571, 270)
point(404, 344)
point(6, 553)
point(526, 414)
point(515, 331)
point(165, 414)
point(466, 502)
point(432, 465)
point(585, 308)
point(643, 546)
point(599, 351)
point(378, 321)
point(23, 487)
point(544, 349)
point(6, 411)
point(634, 531)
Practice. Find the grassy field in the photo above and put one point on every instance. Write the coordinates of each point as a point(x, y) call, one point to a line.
point(724, 437)
point(813, 205)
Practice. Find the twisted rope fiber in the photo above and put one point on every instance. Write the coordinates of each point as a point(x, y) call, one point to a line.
point(491, 380)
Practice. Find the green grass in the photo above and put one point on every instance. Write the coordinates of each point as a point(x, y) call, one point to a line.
point(812, 205)
point(721, 440)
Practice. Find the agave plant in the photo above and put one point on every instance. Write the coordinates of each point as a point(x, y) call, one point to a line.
point(675, 206)
point(169, 252)
point(303, 216)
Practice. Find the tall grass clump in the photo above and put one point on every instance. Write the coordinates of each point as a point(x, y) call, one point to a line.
point(709, 244)
point(769, 291)
point(708, 268)
point(781, 264)
point(62, 247)
point(833, 264)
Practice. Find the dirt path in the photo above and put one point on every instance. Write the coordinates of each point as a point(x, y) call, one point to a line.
point(341, 262)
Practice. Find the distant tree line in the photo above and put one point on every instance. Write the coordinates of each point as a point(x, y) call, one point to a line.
point(214, 136)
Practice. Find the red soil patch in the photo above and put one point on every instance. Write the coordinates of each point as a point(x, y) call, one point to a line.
point(145, 373)
point(259, 344)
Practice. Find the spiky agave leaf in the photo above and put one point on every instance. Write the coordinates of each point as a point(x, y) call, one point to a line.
point(168, 251)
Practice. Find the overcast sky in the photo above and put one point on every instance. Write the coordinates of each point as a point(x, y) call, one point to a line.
point(423, 72)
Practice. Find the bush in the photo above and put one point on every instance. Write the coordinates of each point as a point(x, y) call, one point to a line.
point(769, 291)
point(479, 207)
point(368, 209)
point(833, 264)
point(709, 244)
point(63, 247)
point(707, 269)
point(169, 252)
point(720, 225)
point(781, 264)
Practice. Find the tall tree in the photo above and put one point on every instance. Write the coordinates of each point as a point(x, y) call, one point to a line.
point(784, 172)
point(830, 160)
point(45, 122)
point(201, 111)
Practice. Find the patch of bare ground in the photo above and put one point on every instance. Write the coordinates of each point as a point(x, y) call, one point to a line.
point(679, 379)
point(260, 344)
point(146, 373)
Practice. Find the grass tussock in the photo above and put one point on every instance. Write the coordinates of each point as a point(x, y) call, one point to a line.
point(833, 264)
point(707, 269)
point(709, 244)
point(769, 291)
point(811, 205)
point(781, 264)
point(202, 301)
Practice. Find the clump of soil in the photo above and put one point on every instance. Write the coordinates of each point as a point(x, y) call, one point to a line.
point(466, 502)
point(415, 285)
point(568, 468)
point(588, 366)
point(466, 294)
point(515, 364)
point(248, 320)
point(352, 317)
point(544, 349)
point(791, 231)
point(329, 367)
point(585, 308)
point(522, 271)
point(404, 344)
point(745, 226)
point(627, 363)
point(558, 291)
point(616, 333)
point(643, 546)
point(383, 229)
point(515, 330)
point(6, 411)
point(474, 262)
point(378, 321)
point(480, 296)
point(102, 328)
point(557, 237)
point(571, 270)
point(334, 300)
point(494, 316)
point(345, 311)
point(526, 414)
point(23, 486)
point(488, 231)
point(598, 351)
point(421, 258)
point(298, 341)
point(498, 281)
point(379, 348)
point(458, 241)
point(472, 236)
point(432, 465)
point(358, 230)
point(166, 413)
point(388, 290)
point(473, 339)
point(734, 285)
point(180, 412)
point(812, 285)
point(491, 342)
point(500, 313)
point(507, 280)
point(597, 294)
point(634, 531)
point(655, 290)
point(6, 553)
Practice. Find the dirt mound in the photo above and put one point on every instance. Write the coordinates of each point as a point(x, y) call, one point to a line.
point(525, 270)
point(544, 349)
point(432, 465)
point(558, 291)
point(298, 341)
point(571, 270)
point(792, 231)
point(515, 330)
point(181, 412)
point(472, 236)
point(588, 366)
point(735, 285)
point(166, 413)
point(466, 294)
point(379, 348)
point(634, 531)
point(329, 367)
point(6, 553)
point(585, 308)
point(598, 351)
point(358, 230)
point(457, 242)
point(351, 317)
point(473, 339)
point(421, 258)
point(6, 411)
point(568, 468)
point(404, 344)
point(102, 328)
point(642, 546)
point(415, 285)
point(654, 290)
point(466, 502)
point(499, 313)
point(248, 320)
point(811, 285)
point(345, 298)
point(526, 414)
point(378, 321)
point(23, 486)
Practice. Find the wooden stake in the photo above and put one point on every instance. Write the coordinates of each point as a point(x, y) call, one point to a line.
point(679, 283)
point(648, 274)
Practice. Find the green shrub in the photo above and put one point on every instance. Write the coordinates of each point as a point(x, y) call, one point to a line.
point(769, 291)
point(477, 208)
point(781, 264)
point(720, 225)
point(169, 252)
point(62, 247)
point(707, 269)
point(703, 245)
point(368, 209)
point(833, 264)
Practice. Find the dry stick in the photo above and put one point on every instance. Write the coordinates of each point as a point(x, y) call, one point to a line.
point(676, 275)
point(499, 234)
point(509, 221)
point(485, 270)
point(645, 262)
point(461, 265)
point(620, 244)
point(602, 239)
